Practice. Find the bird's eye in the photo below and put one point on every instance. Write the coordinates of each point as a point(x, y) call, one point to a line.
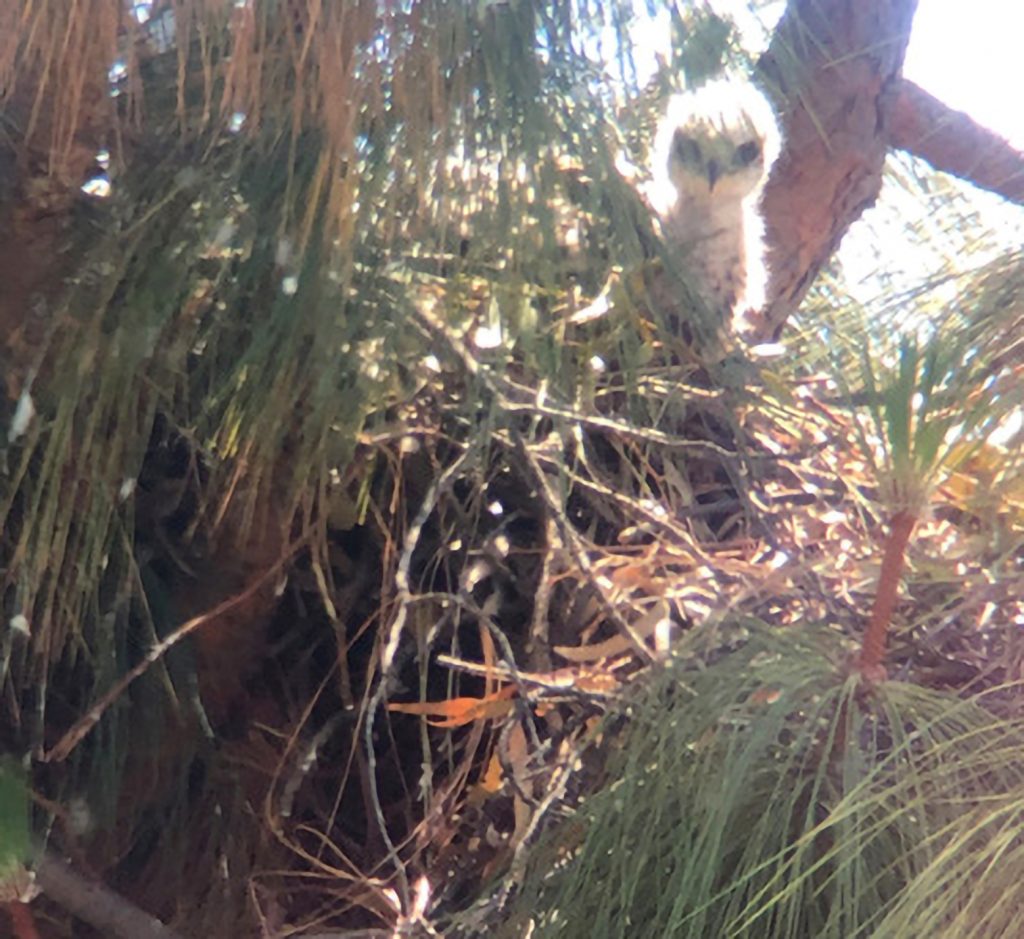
point(686, 149)
point(747, 153)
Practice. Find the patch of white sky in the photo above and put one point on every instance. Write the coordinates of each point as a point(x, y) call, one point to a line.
point(968, 55)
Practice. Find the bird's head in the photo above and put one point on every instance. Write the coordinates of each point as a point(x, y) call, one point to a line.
point(718, 140)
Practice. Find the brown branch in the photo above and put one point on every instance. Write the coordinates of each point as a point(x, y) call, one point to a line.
point(872, 658)
point(953, 142)
point(96, 904)
point(22, 922)
point(832, 65)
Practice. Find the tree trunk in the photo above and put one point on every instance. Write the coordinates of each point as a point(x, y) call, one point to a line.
point(834, 65)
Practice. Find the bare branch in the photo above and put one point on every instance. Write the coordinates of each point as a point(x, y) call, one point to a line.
point(96, 904)
point(953, 142)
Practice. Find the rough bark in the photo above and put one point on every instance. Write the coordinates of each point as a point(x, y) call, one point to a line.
point(951, 141)
point(834, 64)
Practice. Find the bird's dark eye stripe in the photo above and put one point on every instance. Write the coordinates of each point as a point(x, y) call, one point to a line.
point(686, 148)
point(747, 153)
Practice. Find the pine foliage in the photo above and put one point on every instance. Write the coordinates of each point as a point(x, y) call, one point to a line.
point(380, 551)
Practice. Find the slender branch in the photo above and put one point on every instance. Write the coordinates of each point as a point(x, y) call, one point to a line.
point(81, 728)
point(405, 599)
point(953, 142)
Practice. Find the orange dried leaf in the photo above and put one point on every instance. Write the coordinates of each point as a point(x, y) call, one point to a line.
point(633, 577)
point(492, 779)
point(456, 712)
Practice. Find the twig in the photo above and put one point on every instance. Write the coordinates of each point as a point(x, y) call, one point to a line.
point(81, 728)
point(404, 597)
point(649, 435)
point(540, 632)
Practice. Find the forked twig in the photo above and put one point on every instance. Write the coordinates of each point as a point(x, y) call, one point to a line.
point(404, 598)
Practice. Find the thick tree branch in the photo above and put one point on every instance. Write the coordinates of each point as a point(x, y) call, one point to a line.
point(832, 65)
point(96, 904)
point(954, 143)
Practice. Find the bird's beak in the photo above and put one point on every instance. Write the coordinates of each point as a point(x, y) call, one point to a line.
point(714, 173)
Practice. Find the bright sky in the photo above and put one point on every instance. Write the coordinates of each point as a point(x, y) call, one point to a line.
point(968, 54)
